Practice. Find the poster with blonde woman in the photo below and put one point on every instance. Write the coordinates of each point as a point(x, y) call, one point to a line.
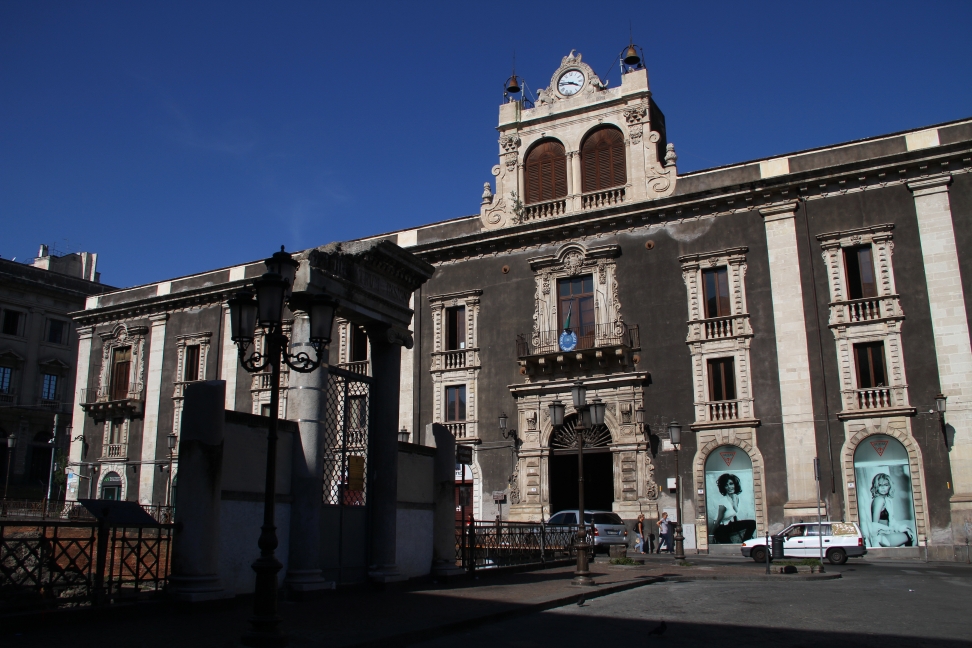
point(884, 497)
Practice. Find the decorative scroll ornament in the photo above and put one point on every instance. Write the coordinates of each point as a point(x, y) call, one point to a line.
point(565, 437)
point(573, 262)
point(515, 484)
point(651, 488)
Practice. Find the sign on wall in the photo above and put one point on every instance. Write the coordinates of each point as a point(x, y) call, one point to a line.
point(884, 498)
point(730, 506)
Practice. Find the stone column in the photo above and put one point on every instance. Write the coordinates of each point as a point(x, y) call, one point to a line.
point(406, 413)
point(386, 360)
point(230, 362)
point(577, 179)
point(195, 544)
point(79, 420)
point(950, 324)
point(306, 403)
point(793, 359)
point(150, 424)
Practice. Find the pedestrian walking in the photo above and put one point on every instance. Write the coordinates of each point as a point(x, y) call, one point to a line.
point(664, 529)
point(642, 532)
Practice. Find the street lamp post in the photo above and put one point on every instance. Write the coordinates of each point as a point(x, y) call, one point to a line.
point(675, 436)
point(940, 406)
point(171, 440)
point(588, 415)
point(50, 472)
point(266, 311)
point(11, 446)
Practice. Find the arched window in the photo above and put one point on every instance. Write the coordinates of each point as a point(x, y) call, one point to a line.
point(111, 486)
point(602, 160)
point(545, 172)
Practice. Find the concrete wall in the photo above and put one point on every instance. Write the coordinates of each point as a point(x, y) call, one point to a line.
point(415, 509)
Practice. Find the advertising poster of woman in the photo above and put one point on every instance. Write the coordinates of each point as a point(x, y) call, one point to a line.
point(729, 503)
point(884, 499)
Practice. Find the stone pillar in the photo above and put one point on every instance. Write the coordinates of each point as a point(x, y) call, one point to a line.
point(79, 420)
point(444, 496)
point(306, 403)
point(577, 178)
point(386, 360)
point(150, 424)
point(406, 413)
point(195, 545)
point(793, 359)
point(950, 324)
point(230, 362)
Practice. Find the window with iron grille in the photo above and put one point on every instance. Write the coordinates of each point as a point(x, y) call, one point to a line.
point(869, 359)
point(722, 379)
point(456, 403)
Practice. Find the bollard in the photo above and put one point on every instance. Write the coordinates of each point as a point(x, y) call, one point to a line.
point(767, 553)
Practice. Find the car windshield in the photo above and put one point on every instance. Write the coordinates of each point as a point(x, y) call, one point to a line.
point(603, 518)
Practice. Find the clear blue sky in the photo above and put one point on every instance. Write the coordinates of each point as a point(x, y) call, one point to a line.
point(173, 138)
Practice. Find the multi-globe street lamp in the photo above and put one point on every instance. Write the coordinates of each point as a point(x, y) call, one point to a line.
point(171, 441)
point(265, 310)
point(588, 416)
point(675, 437)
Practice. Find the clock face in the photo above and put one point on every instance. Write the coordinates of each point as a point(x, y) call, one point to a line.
point(570, 82)
point(568, 341)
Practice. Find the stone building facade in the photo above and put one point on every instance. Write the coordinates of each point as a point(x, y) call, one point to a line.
point(38, 347)
point(808, 306)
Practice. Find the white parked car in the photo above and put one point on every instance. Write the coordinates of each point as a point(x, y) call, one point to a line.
point(841, 540)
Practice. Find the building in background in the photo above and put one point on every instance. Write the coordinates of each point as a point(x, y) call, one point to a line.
point(38, 356)
point(806, 306)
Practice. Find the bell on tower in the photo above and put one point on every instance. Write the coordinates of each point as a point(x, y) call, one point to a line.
point(630, 57)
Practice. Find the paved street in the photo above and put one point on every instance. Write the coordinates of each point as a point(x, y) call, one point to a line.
point(873, 604)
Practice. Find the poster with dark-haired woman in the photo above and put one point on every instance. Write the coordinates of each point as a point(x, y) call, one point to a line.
point(885, 503)
point(729, 503)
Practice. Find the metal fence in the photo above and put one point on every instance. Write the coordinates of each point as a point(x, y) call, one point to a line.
point(68, 563)
point(346, 425)
point(589, 336)
point(53, 510)
point(500, 544)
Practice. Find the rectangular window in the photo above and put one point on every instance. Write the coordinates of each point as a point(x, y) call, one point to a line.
point(11, 322)
point(121, 365)
point(265, 410)
point(456, 403)
point(715, 286)
point(870, 365)
point(859, 267)
point(49, 389)
point(576, 304)
point(359, 344)
point(116, 432)
point(55, 331)
point(722, 379)
point(190, 364)
point(456, 328)
point(6, 373)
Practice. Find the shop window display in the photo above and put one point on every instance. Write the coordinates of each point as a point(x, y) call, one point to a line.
point(884, 498)
point(729, 503)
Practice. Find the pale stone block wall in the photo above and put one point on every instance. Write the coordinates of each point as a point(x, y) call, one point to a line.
point(153, 392)
point(792, 357)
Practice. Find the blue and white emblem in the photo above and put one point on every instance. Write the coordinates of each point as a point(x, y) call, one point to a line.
point(568, 340)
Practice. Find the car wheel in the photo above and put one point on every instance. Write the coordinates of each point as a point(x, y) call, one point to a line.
point(759, 555)
point(836, 556)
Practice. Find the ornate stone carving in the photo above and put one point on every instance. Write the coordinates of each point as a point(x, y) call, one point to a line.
point(651, 488)
point(670, 157)
point(634, 114)
point(487, 194)
point(510, 142)
point(515, 484)
point(635, 132)
point(531, 421)
point(572, 263)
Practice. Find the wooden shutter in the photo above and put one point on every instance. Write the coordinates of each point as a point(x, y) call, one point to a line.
point(545, 174)
point(602, 160)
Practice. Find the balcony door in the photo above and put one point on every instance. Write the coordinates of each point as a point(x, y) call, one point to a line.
point(121, 366)
point(575, 309)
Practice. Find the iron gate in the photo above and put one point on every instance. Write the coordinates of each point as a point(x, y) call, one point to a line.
point(347, 425)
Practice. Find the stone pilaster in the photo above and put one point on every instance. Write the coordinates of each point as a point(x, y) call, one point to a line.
point(793, 359)
point(306, 402)
point(85, 336)
point(153, 394)
point(950, 324)
point(230, 362)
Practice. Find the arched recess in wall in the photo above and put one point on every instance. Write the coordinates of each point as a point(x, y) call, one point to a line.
point(603, 164)
point(720, 439)
point(898, 430)
point(545, 172)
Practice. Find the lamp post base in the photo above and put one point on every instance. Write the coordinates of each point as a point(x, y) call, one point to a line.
point(679, 544)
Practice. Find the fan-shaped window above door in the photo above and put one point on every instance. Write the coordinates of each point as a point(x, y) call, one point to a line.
point(545, 172)
point(602, 160)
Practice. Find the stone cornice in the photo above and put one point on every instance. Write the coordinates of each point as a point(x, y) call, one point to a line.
point(779, 211)
point(148, 307)
point(701, 256)
point(857, 231)
point(932, 184)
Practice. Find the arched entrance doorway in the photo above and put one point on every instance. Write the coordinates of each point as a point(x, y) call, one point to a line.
point(885, 501)
point(598, 468)
point(111, 486)
point(730, 503)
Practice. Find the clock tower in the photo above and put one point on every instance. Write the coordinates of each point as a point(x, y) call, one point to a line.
point(581, 147)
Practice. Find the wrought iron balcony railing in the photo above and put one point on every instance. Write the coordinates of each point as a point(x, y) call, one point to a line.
point(103, 403)
point(589, 337)
point(362, 367)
